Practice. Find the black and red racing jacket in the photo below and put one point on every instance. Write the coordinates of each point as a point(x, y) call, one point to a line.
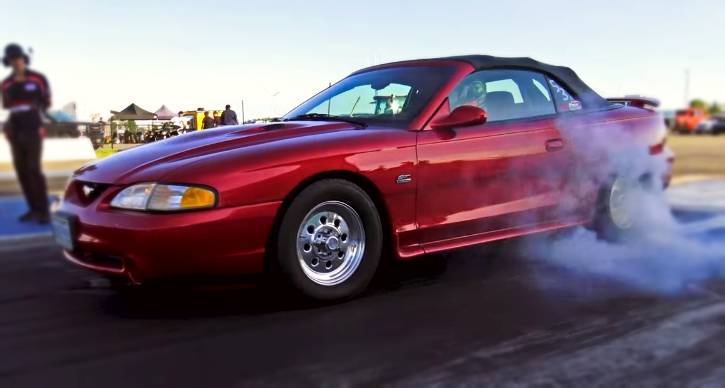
point(26, 99)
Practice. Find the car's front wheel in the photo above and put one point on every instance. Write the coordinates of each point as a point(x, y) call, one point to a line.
point(330, 240)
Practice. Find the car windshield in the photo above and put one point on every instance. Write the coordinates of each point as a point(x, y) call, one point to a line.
point(388, 96)
point(61, 117)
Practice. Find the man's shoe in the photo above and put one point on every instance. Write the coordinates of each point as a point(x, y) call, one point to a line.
point(27, 217)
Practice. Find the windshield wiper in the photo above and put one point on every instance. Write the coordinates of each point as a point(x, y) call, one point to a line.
point(323, 116)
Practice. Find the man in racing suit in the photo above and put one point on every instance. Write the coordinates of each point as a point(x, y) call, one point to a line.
point(26, 94)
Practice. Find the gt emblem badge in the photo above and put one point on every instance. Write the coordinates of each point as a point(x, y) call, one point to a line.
point(87, 190)
point(405, 178)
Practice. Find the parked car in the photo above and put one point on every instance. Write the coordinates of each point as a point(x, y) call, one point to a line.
point(475, 153)
point(61, 125)
point(687, 119)
point(713, 125)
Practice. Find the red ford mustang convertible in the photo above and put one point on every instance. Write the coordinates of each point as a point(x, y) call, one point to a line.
point(412, 157)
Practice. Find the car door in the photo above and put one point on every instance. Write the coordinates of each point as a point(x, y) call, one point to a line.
point(479, 182)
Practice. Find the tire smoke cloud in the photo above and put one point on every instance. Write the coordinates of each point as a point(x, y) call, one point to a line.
point(657, 253)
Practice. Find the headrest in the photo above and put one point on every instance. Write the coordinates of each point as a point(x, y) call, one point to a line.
point(499, 99)
point(500, 106)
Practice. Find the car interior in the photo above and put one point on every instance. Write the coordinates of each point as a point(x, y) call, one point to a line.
point(497, 92)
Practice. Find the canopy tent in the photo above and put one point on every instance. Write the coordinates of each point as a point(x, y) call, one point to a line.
point(133, 112)
point(165, 113)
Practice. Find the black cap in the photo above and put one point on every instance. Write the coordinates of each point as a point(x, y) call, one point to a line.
point(13, 51)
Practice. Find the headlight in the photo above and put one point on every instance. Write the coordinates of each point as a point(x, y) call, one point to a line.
point(161, 197)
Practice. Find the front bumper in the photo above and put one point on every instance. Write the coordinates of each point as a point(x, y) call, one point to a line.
point(144, 246)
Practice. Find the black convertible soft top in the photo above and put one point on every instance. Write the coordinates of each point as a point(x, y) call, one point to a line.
point(564, 75)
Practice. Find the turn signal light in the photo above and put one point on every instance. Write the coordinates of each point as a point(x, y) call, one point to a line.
point(196, 197)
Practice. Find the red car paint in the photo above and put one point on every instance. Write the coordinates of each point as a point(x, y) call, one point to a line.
point(469, 185)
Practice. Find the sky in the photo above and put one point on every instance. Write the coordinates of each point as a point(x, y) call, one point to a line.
point(105, 55)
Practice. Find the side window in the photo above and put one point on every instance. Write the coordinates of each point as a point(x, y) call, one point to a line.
point(562, 98)
point(543, 89)
point(504, 94)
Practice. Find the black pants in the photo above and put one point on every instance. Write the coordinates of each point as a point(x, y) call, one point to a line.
point(27, 155)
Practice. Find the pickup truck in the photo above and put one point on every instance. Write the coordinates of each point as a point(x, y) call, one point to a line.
point(687, 119)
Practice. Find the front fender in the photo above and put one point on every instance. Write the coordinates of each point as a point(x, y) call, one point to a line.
point(269, 172)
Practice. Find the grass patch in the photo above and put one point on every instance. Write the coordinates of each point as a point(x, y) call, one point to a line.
point(105, 152)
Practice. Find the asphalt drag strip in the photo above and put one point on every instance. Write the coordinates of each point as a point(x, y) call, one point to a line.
point(483, 316)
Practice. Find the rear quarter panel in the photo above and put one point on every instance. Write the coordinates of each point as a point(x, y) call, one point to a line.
point(614, 142)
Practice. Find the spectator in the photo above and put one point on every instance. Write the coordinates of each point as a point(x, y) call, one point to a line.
point(218, 119)
point(229, 117)
point(105, 126)
point(208, 122)
point(179, 121)
point(26, 94)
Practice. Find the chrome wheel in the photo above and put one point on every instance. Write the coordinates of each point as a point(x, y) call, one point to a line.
point(618, 207)
point(330, 243)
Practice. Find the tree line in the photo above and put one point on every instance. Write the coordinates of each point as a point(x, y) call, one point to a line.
point(711, 108)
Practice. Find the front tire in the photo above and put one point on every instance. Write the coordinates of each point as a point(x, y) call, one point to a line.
point(330, 241)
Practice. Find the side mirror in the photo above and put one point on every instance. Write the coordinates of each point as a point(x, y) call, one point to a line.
point(463, 116)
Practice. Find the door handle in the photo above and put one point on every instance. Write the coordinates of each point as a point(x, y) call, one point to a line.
point(555, 145)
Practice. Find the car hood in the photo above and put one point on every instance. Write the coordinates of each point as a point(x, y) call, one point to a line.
point(150, 162)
